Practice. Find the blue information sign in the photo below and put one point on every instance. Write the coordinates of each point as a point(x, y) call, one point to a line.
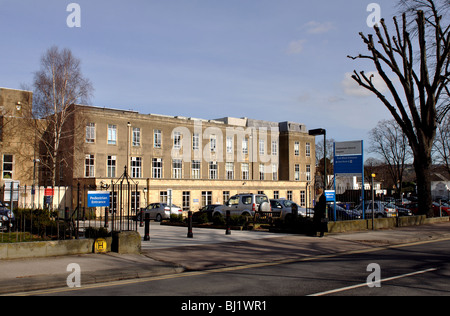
point(98, 199)
point(349, 165)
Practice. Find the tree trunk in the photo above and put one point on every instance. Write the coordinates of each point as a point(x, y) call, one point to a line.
point(422, 166)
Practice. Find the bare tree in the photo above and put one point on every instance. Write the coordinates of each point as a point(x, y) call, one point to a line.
point(57, 86)
point(418, 99)
point(442, 143)
point(390, 143)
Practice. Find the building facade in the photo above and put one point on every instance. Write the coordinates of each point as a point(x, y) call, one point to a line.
point(196, 162)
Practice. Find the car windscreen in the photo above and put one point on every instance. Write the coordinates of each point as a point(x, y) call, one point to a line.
point(261, 198)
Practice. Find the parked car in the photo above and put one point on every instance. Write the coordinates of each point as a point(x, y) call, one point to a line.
point(403, 211)
point(445, 209)
point(342, 214)
point(208, 210)
point(7, 218)
point(381, 209)
point(160, 211)
point(285, 207)
point(246, 204)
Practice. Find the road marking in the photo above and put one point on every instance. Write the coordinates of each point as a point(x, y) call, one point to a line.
point(365, 284)
point(226, 269)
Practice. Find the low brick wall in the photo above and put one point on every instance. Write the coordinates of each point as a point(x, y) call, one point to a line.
point(382, 223)
point(124, 243)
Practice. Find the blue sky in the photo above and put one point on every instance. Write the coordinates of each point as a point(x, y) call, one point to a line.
point(264, 59)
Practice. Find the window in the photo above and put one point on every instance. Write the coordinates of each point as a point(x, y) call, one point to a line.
point(135, 201)
point(136, 167)
point(177, 169)
point(229, 170)
point(262, 147)
point(261, 172)
point(226, 196)
point(90, 133)
point(206, 198)
point(157, 168)
point(274, 172)
point(289, 195)
point(245, 171)
point(163, 197)
point(136, 137)
point(229, 145)
point(157, 138)
point(213, 170)
point(245, 146)
point(274, 148)
point(186, 201)
point(213, 143)
point(8, 163)
point(196, 169)
point(276, 195)
point(112, 162)
point(176, 140)
point(89, 166)
point(297, 148)
point(112, 134)
point(308, 149)
point(308, 172)
point(302, 198)
point(196, 142)
point(297, 173)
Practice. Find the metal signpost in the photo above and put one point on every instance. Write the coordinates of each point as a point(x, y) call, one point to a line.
point(349, 161)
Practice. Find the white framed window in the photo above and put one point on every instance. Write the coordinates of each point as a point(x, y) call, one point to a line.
point(245, 146)
point(213, 170)
point(112, 134)
point(176, 140)
point(229, 145)
point(213, 143)
point(8, 166)
point(274, 148)
point(297, 149)
point(308, 150)
point(136, 167)
point(262, 147)
point(89, 166)
point(196, 169)
point(177, 169)
point(136, 137)
point(157, 168)
point(111, 166)
point(261, 172)
point(297, 173)
point(157, 138)
point(229, 170)
point(308, 172)
point(90, 133)
point(245, 171)
point(196, 141)
point(275, 172)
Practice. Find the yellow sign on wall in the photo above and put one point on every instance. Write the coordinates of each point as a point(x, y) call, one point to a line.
point(100, 245)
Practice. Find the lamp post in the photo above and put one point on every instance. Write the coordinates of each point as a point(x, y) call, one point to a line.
point(316, 132)
point(373, 201)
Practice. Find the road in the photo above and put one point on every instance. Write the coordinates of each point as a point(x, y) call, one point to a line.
point(421, 269)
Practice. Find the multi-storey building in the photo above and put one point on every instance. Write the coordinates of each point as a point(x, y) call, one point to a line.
point(200, 161)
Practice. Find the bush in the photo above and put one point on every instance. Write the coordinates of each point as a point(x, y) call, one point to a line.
point(96, 232)
point(176, 218)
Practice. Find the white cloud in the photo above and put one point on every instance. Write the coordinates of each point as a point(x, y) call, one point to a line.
point(296, 47)
point(352, 88)
point(314, 27)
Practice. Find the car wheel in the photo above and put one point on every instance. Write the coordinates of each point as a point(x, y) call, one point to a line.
point(159, 218)
point(246, 214)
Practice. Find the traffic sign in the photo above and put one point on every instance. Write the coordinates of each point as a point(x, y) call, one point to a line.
point(98, 199)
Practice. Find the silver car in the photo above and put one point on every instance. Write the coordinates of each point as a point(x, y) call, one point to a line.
point(160, 211)
point(285, 206)
point(246, 204)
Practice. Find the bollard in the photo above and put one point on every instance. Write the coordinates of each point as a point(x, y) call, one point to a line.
point(66, 213)
point(147, 227)
point(190, 233)
point(142, 218)
point(228, 231)
point(106, 217)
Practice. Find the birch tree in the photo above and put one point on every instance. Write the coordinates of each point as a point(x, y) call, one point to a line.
point(58, 85)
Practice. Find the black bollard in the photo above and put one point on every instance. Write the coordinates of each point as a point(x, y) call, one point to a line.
point(190, 233)
point(228, 231)
point(142, 218)
point(147, 227)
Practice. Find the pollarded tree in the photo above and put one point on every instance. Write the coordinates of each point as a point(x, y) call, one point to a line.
point(417, 56)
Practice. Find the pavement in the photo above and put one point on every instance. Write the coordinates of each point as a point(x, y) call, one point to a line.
point(169, 251)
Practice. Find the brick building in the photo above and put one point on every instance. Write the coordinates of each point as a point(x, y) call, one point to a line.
point(200, 161)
